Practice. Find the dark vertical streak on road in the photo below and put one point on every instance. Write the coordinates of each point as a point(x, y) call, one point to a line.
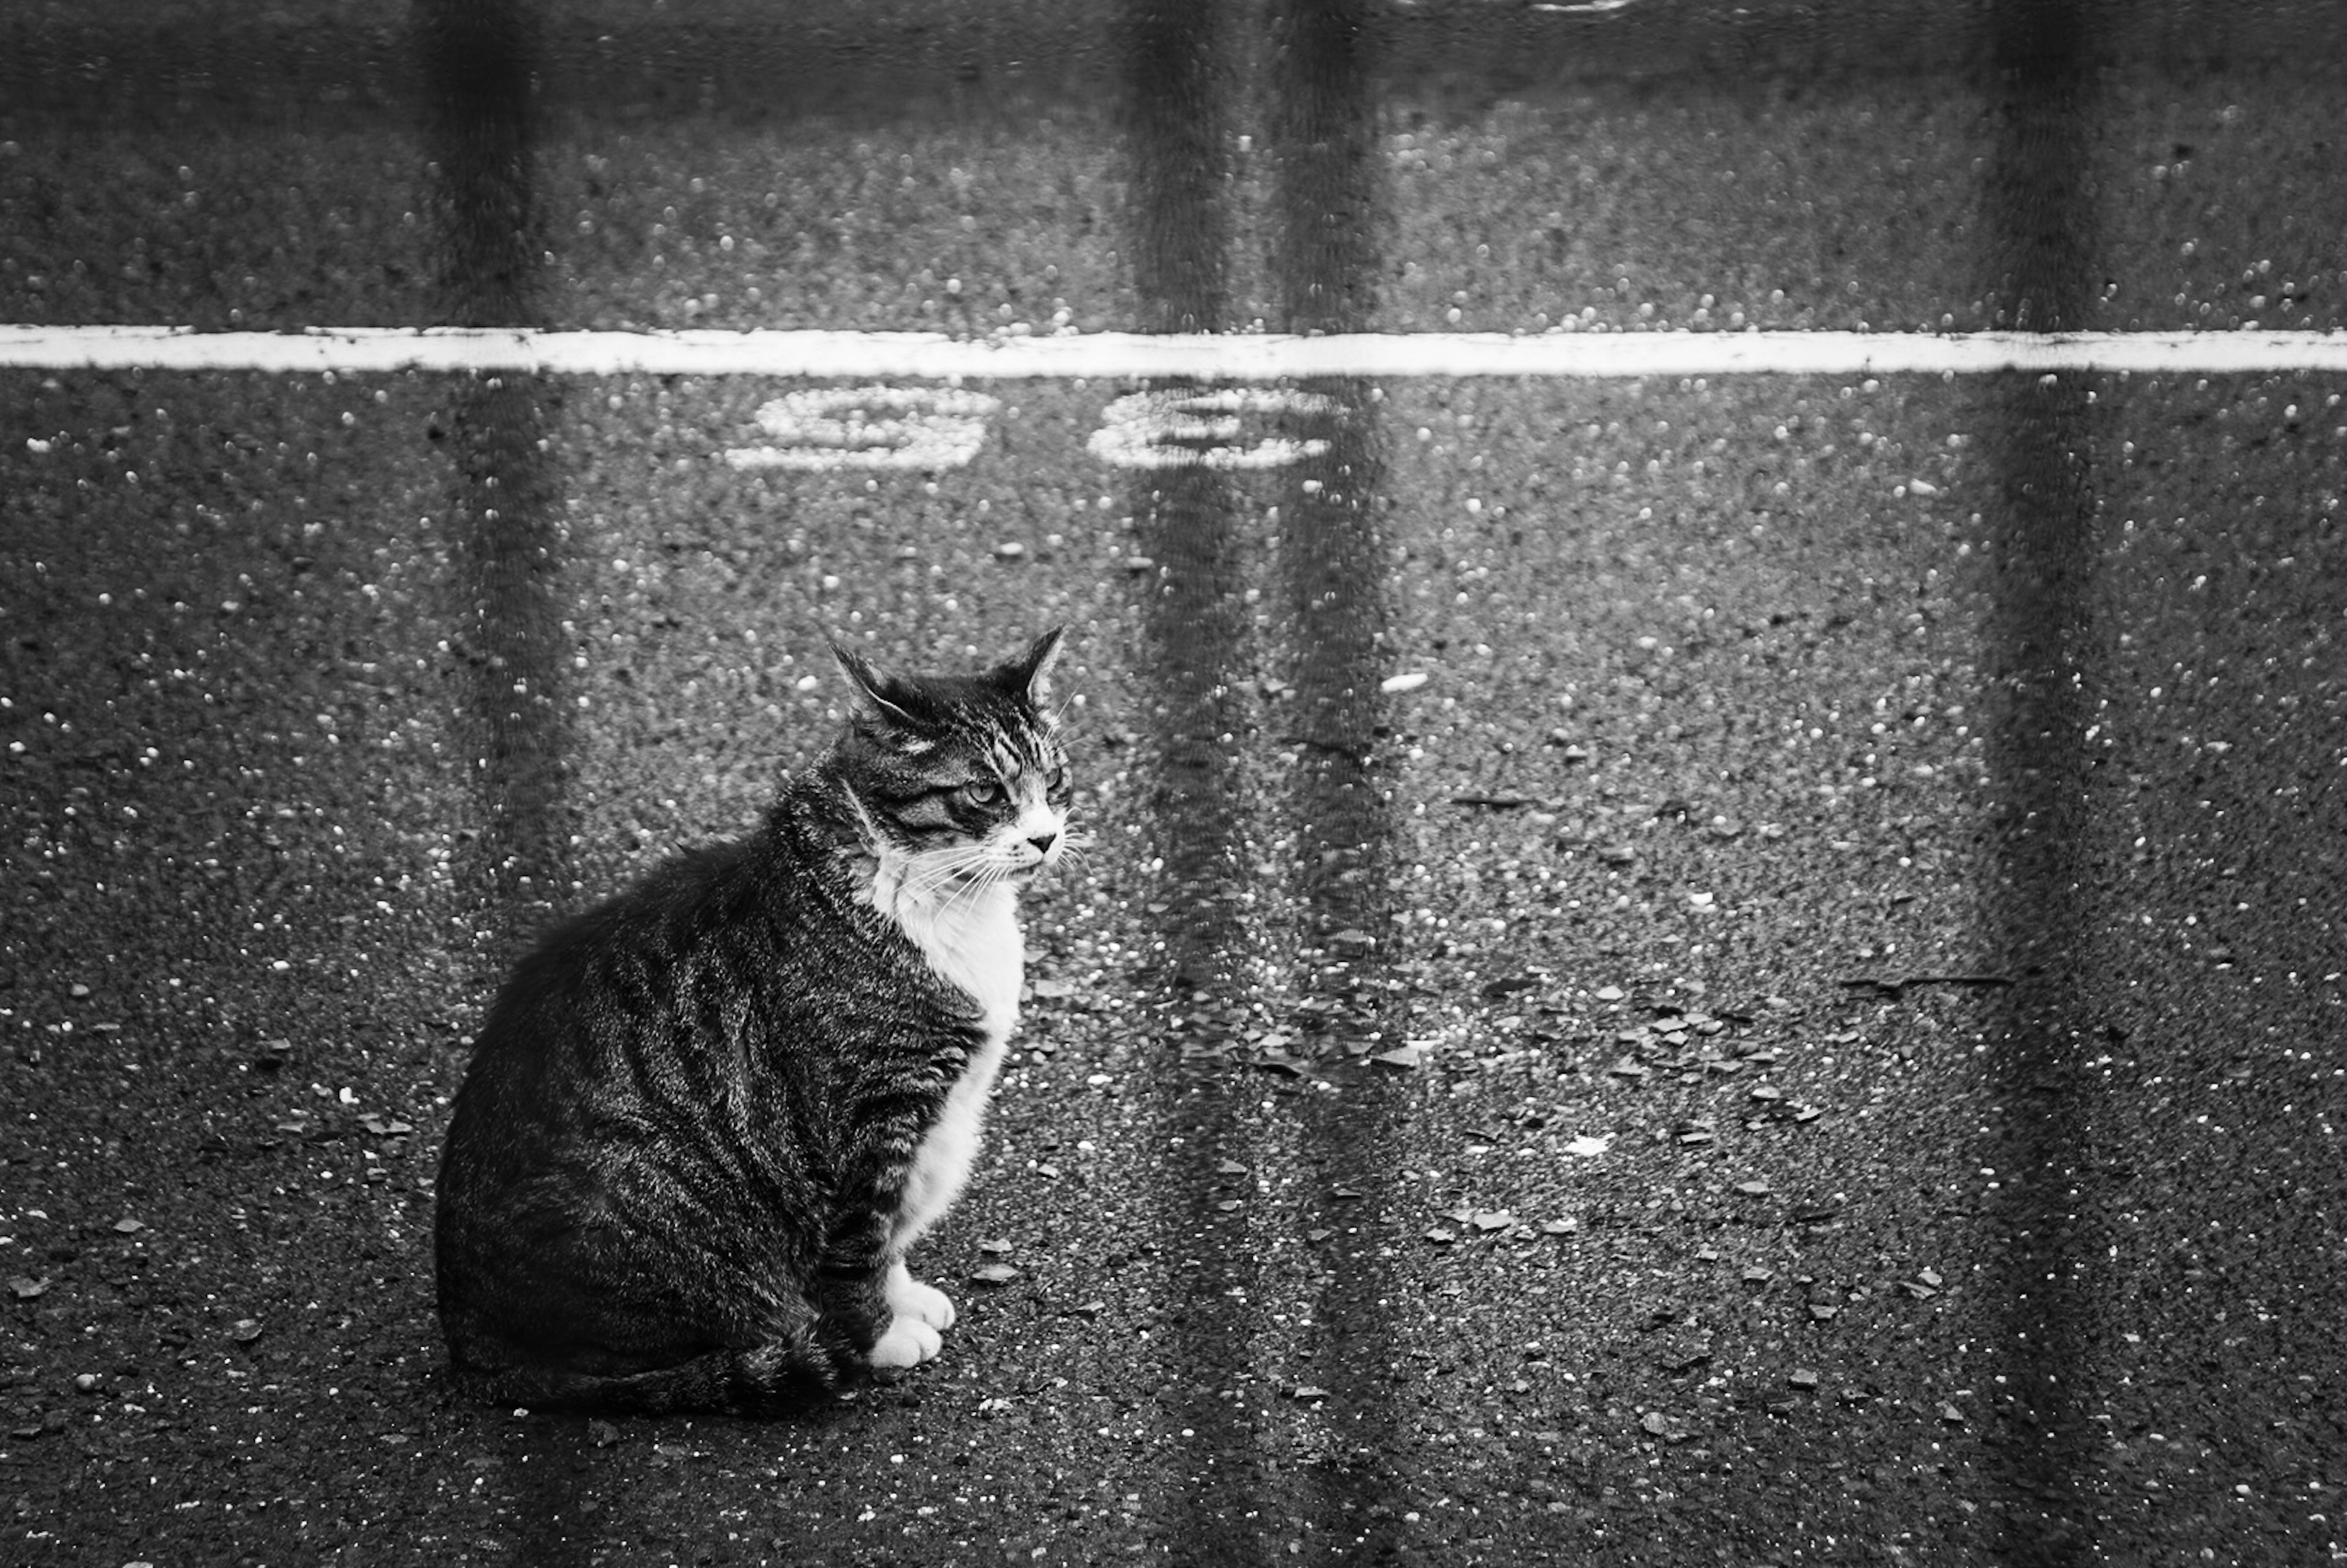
point(2039, 202)
point(1321, 112)
point(1194, 622)
point(1332, 559)
point(505, 517)
point(508, 547)
point(1194, 617)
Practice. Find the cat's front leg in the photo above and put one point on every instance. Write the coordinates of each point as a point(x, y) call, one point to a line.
point(907, 1342)
point(900, 1327)
point(867, 1290)
point(919, 1315)
point(910, 1297)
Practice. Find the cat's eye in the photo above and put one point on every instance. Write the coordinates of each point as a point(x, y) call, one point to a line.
point(1056, 780)
point(982, 791)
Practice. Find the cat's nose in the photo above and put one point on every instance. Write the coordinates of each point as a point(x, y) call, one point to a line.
point(1043, 841)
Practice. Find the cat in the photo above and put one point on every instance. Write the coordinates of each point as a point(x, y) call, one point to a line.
point(705, 1119)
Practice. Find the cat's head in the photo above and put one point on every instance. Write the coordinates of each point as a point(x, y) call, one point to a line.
point(963, 777)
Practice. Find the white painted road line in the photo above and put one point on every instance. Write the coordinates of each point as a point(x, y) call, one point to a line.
point(1131, 356)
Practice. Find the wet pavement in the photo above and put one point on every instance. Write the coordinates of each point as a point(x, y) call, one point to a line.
point(1674, 970)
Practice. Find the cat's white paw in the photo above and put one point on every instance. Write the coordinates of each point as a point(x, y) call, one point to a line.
point(910, 1297)
point(908, 1343)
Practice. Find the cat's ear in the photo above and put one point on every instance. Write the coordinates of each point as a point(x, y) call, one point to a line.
point(870, 687)
point(1030, 673)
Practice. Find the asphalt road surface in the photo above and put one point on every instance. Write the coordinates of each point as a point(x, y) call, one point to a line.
point(1668, 971)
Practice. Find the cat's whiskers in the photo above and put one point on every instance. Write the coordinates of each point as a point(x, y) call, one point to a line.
point(941, 869)
point(942, 879)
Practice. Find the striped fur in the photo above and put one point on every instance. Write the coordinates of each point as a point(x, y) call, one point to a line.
point(705, 1119)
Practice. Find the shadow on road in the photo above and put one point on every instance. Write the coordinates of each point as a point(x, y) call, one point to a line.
point(2041, 250)
point(1321, 107)
point(504, 517)
point(1177, 69)
point(509, 547)
point(1184, 67)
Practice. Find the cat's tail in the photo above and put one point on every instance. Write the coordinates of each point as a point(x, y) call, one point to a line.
point(763, 1380)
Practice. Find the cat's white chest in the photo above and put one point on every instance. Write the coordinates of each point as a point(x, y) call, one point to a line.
point(975, 944)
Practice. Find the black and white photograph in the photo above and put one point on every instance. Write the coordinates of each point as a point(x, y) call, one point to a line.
point(919, 783)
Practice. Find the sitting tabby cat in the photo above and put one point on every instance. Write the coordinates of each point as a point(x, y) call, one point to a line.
point(706, 1120)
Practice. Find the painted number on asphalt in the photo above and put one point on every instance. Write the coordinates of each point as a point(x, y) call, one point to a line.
point(1178, 429)
point(934, 428)
point(870, 427)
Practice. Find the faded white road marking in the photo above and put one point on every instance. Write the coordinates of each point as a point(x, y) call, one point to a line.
point(1131, 356)
point(929, 427)
point(1201, 429)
